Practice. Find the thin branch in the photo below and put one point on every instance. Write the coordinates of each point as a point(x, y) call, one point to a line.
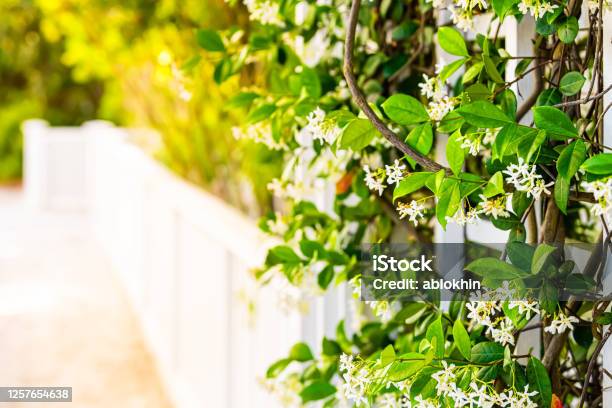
point(589, 372)
point(361, 101)
point(584, 100)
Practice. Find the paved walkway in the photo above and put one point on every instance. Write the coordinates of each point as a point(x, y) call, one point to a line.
point(64, 321)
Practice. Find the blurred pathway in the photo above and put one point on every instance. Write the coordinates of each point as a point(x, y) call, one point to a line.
point(64, 320)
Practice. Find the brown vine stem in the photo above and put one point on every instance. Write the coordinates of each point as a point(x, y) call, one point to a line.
point(585, 100)
point(589, 372)
point(361, 101)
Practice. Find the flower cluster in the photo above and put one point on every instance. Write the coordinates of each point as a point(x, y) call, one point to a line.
point(440, 104)
point(260, 132)
point(320, 128)
point(561, 323)
point(495, 207)
point(480, 396)
point(413, 211)
point(525, 178)
point(356, 380)
point(266, 12)
point(375, 180)
point(602, 192)
point(463, 218)
point(536, 8)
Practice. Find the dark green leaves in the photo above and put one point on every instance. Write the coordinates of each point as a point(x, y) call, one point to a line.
point(210, 40)
point(410, 183)
point(571, 83)
point(462, 339)
point(405, 110)
point(539, 381)
point(452, 42)
point(494, 272)
point(540, 257)
point(600, 164)
point(554, 121)
point(358, 134)
point(484, 114)
point(487, 352)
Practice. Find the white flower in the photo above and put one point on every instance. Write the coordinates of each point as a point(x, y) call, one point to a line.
point(494, 208)
point(536, 8)
point(432, 88)
point(355, 386)
point(382, 309)
point(504, 333)
point(462, 218)
point(602, 192)
point(438, 109)
point(266, 12)
point(525, 307)
point(413, 211)
point(395, 172)
point(319, 128)
point(481, 312)
point(539, 188)
point(481, 397)
point(561, 324)
point(473, 143)
point(525, 178)
point(372, 181)
point(346, 362)
point(462, 18)
point(424, 403)
point(444, 378)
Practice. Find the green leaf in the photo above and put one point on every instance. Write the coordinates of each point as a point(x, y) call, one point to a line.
point(330, 347)
point(317, 391)
point(502, 7)
point(600, 164)
point(387, 356)
point(451, 68)
point(283, 254)
point(452, 42)
point(484, 114)
point(411, 364)
point(561, 193)
point(421, 138)
point(300, 352)
point(478, 92)
point(410, 184)
point(487, 352)
point(358, 134)
point(242, 99)
point(540, 256)
point(435, 331)
point(405, 110)
point(455, 155)
point(535, 144)
point(503, 139)
point(495, 269)
point(462, 339)
point(424, 384)
point(449, 200)
point(549, 97)
point(571, 83)
point(539, 381)
point(491, 69)
point(521, 255)
point(472, 72)
point(325, 277)
point(278, 367)
point(571, 158)
point(210, 40)
point(495, 185)
point(554, 121)
point(568, 30)
point(260, 113)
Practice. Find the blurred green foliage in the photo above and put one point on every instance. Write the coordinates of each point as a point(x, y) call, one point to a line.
point(130, 62)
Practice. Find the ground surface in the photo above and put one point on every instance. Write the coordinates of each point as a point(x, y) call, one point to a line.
point(64, 321)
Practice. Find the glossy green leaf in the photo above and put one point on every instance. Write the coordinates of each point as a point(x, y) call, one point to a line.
point(491, 69)
point(462, 339)
point(571, 158)
point(495, 185)
point(410, 183)
point(600, 164)
point(421, 138)
point(405, 110)
point(487, 352)
point(300, 352)
point(568, 30)
point(455, 155)
point(561, 193)
point(571, 83)
point(484, 114)
point(554, 121)
point(452, 42)
point(358, 134)
point(539, 381)
point(317, 390)
point(540, 257)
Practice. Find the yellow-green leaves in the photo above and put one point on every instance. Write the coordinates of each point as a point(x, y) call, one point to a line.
point(358, 134)
point(455, 155)
point(317, 390)
point(571, 158)
point(568, 30)
point(495, 185)
point(571, 83)
point(452, 42)
point(421, 138)
point(405, 110)
point(554, 121)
